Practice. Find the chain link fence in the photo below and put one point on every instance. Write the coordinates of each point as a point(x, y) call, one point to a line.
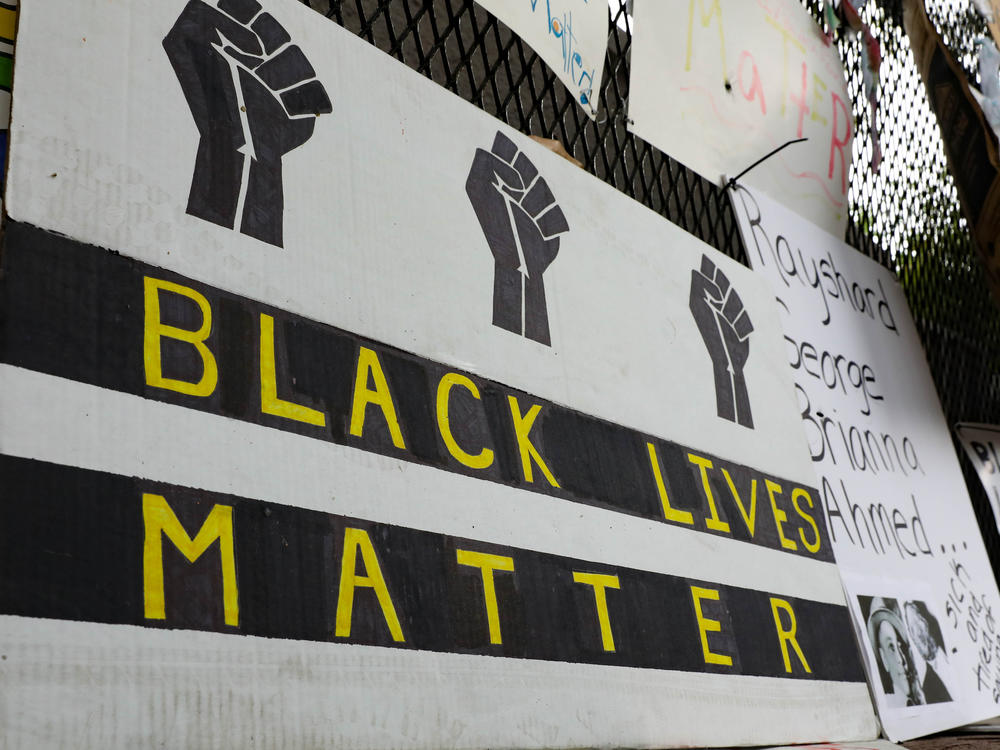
point(906, 216)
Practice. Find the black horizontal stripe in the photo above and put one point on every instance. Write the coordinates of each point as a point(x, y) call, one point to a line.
point(77, 312)
point(72, 540)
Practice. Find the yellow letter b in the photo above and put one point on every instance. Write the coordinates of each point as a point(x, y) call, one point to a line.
point(154, 329)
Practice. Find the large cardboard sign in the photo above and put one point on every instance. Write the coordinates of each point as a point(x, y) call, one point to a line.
point(920, 584)
point(571, 36)
point(719, 84)
point(319, 379)
point(982, 445)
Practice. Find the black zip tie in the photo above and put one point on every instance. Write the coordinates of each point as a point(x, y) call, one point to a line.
point(732, 180)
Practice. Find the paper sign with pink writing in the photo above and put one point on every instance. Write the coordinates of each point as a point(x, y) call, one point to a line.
point(718, 84)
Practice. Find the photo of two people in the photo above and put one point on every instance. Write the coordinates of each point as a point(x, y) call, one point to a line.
point(909, 649)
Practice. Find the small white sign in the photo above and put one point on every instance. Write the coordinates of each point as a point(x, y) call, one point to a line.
point(571, 36)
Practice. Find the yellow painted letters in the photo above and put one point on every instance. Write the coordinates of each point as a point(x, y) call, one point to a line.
point(714, 523)
point(707, 625)
point(269, 401)
point(669, 513)
point(522, 430)
point(154, 329)
point(750, 519)
point(159, 519)
point(600, 583)
point(355, 539)
point(787, 635)
point(773, 488)
point(487, 564)
point(818, 98)
point(369, 366)
point(814, 545)
point(485, 457)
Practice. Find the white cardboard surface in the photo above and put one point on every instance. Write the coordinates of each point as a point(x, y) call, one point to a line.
point(379, 238)
point(872, 498)
point(269, 692)
point(718, 84)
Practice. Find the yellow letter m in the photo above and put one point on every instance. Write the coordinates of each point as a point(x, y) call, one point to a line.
point(159, 520)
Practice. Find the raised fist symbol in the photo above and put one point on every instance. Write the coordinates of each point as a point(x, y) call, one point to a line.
point(254, 97)
point(522, 224)
point(725, 327)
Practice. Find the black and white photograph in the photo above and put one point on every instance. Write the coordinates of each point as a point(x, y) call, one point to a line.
point(909, 650)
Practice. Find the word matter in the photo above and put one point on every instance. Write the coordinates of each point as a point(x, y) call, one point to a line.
point(98, 547)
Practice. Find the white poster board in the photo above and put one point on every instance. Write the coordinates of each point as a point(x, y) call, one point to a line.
point(906, 539)
point(719, 84)
point(571, 36)
point(494, 456)
point(982, 445)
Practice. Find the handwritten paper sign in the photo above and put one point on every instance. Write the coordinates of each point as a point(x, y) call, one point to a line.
point(982, 444)
point(718, 84)
point(922, 592)
point(571, 36)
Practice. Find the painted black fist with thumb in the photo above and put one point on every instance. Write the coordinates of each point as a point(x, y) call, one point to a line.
point(725, 328)
point(254, 97)
point(522, 224)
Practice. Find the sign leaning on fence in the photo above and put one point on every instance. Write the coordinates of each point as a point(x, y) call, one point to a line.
point(334, 404)
point(920, 585)
point(720, 84)
point(982, 445)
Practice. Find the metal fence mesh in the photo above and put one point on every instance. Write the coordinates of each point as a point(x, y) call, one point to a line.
point(906, 216)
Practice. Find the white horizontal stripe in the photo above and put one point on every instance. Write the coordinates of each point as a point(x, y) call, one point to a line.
point(120, 686)
point(65, 422)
